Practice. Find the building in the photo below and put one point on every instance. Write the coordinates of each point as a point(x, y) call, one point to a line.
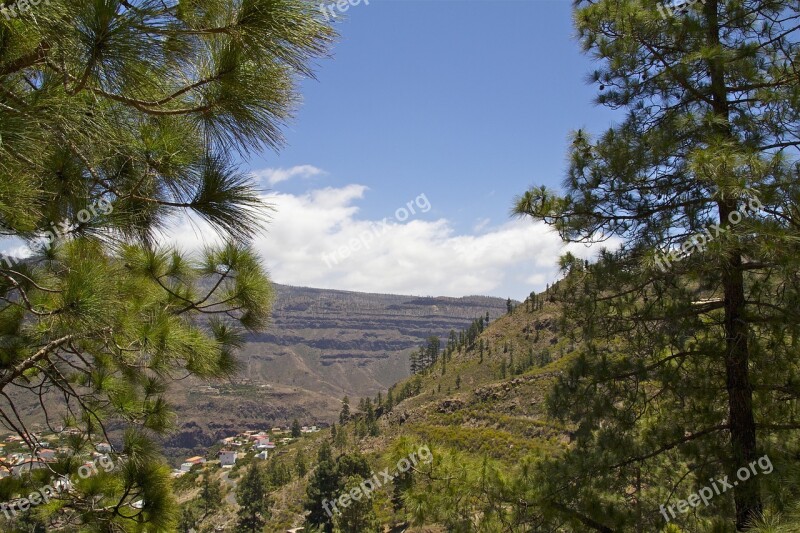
point(263, 455)
point(104, 447)
point(47, 454)
point(264, 444)
point(227, 457)
point(26, 466)
point(190, 462)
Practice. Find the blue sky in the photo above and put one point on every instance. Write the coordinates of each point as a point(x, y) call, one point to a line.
point(469, 101)
point(465, 102)
point(404, 157)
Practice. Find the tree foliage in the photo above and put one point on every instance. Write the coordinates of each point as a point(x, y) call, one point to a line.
point(689, 363)
point(253, 500)
point(116, 119)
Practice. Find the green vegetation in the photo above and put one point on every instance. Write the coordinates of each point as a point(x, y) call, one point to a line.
point(251, 495)
point(117, 117)
point(684, 330)
point(667, 364)
point(640, 378)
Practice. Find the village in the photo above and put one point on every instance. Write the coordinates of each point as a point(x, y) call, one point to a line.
point(238, 446)
point(16, 458)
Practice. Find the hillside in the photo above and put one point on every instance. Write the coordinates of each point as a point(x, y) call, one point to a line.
point(320, 346)
point(470, 408)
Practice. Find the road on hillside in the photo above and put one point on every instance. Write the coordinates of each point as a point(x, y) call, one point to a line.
point(231, 497)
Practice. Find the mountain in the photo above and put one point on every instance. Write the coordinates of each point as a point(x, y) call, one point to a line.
point(488, 407)
point(321, 345)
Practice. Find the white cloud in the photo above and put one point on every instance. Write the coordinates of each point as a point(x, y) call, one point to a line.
point(316, 239)
point(273, 176)
point(480, 224)
point(13, 248)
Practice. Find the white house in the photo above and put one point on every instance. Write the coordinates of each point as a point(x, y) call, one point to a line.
point(227, 457)
point(263, 455)
point(264, 444)
point(103, 447)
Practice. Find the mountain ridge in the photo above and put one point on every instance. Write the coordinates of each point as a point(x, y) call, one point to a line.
point(320, 346)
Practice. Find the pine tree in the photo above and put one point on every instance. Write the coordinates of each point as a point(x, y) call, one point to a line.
point(278, 473)
point(300, 464)
point(359, 515)
point(700, 182)
point(371, 421)
point(188, 520)
point(390, 399)
point(509, 307)
point(458, 381)
point(296, 429)
point(253, 500)
point(328, 482)
point(323, 486)
point(344, 414)
point(340, 440)
point(211, 494)
point(118, 118)
point(432, 350)
point(414, 362)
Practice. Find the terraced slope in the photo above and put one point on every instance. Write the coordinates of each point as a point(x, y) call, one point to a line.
point(321, 345)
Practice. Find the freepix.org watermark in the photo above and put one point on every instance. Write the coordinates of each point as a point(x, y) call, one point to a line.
point(58, 486)
point(21, 6)
point(365, 238)
point(370, 485)
point(698, 242)
point(719, 486)
point(670, 7)
point(341, 6)
point(58, 231)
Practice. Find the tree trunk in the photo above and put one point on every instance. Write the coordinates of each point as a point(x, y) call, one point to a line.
point(740, 393)
point(747, 495)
